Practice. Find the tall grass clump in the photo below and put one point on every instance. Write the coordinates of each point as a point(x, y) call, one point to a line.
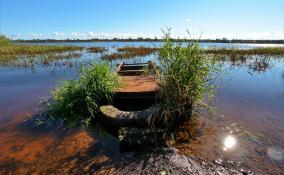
point(4, 41)
point(76, 102)
point(184, 80)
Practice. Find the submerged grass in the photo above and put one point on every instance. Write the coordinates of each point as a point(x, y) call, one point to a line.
point(14, 51)
point(29, 56)
point(97, 49)
point(138, 51)
point(233, 53)
point(76, 102)
point(252, 51)
point(130, 52)
point(115, 56)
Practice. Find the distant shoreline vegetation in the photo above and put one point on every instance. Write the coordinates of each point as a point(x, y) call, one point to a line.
point(224, 40)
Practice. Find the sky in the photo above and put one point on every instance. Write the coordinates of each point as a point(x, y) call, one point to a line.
point(84, 19)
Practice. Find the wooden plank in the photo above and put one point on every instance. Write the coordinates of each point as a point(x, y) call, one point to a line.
point(132, 67)
point(131, 72)
point(118, 67)
point(136, 64)
point(138, 84)
point(114, 117)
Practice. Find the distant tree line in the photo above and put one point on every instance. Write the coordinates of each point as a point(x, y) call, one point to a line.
point(224, 40)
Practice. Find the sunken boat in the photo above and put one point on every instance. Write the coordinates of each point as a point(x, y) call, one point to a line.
point(128, 116)
point(132, 103)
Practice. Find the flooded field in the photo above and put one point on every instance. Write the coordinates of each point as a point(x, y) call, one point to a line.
point(246, 131)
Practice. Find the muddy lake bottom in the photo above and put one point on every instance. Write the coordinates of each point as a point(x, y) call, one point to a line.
point(247, 98)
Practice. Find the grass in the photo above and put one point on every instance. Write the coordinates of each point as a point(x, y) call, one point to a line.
point(233, 53)
point(76, 102)
point(138, 51)
point(253, 51)
point(97, 49)
point(4, 41)
point(184, 81)
point(115, 56)
point(130, 52)
point(29, 56)
point(14, 51)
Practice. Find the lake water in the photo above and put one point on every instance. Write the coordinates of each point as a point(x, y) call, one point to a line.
point(250, 97)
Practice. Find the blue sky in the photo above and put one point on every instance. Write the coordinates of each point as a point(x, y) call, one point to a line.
point(243, 19)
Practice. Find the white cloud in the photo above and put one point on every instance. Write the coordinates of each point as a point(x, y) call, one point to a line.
point(58, 34)
point(91, 34)
point(188, 20)
point(75, 34)
point(15, 36)
point(270, 35)
point(274, 35)
point(36, 35)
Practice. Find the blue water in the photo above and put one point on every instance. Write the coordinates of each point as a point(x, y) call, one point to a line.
point(153, 44)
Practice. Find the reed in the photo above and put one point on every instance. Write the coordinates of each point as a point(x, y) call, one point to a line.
point(12, 51)
point(130, 52)
point(184, 81)
point(97, 49)
point(76, 102)
point(138, 51)
point(252, 51)
point(115, 56)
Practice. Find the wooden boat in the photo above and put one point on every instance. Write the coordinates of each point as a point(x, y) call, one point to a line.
point(138, 89)
point(132, 102)
point(128, 117)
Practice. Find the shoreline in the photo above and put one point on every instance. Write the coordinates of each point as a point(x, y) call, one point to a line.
point(170, 161)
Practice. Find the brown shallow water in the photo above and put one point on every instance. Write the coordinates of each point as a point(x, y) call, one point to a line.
point(253, 99)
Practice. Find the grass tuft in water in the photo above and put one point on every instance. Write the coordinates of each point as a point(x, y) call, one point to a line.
point(130, 52)
point(97, 49)
point(184, 80)
point(76, 102)
point(252, 51)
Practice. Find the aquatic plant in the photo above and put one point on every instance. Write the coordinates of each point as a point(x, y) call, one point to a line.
point(234, 52)
point(114, 56)
point(30, 56)
point(138, 51)
point(97, 49)
point(76, 102)
point(238, 130)
point(56, 59)
point(184, 80)
point(130, 52)
point(14, 51)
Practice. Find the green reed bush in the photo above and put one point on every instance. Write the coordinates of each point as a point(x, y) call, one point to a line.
point(76, 102)
point(184, 80)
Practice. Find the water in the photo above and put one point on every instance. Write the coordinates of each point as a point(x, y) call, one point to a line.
point(255, 101)
point(250, 97)
point(154, 44)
